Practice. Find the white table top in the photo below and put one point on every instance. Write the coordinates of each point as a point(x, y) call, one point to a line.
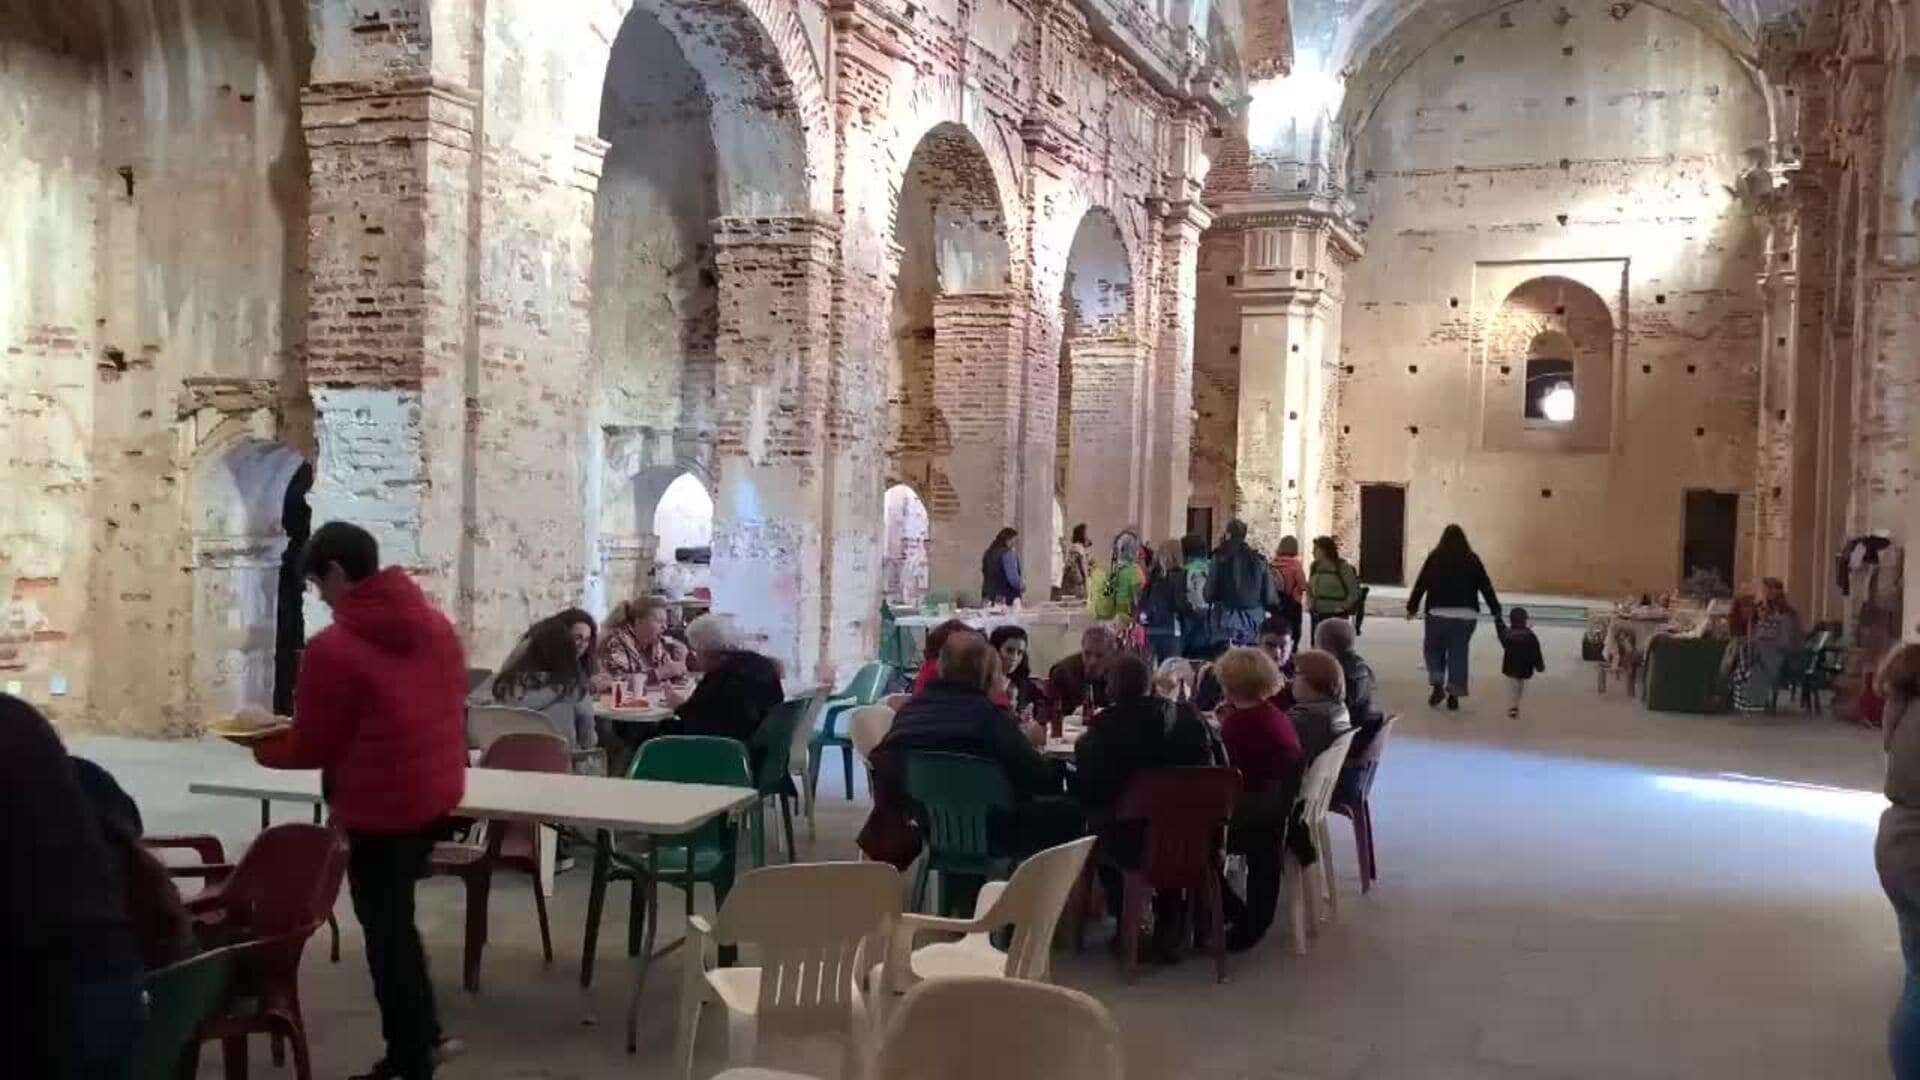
point(652, 714)
point(588, 801)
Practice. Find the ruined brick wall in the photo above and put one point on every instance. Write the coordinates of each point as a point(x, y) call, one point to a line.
point(405, 243)
point(160, 294)
point(1523, 147)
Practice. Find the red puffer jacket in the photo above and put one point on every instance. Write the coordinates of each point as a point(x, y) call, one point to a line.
point(381, 708)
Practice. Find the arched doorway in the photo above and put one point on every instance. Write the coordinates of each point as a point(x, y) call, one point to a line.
point(951, 331)
point(248, 517)
point(903, 560)
point(683, 537)
point(1096, 466)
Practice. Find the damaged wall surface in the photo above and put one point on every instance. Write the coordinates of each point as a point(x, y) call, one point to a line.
point(496, 278)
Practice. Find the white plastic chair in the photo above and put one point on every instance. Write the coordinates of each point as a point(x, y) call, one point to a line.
point(1316, 793)
point(1032, 903)
point(866, 726)
point(485, 723)
point(1007, 1029)
point(814, 927)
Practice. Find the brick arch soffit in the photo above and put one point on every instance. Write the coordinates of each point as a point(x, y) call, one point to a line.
point(793, 83)
point(1001, 162)
point(1527, 311)
point(1131, 250)
point(1370, 55)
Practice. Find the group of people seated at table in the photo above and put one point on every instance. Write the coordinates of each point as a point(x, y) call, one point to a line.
point(1264, 710)
point(707, 674)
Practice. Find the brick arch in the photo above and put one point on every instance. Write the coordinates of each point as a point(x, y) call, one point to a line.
point(1100, 292)
point(911, 135)
point(772, 127)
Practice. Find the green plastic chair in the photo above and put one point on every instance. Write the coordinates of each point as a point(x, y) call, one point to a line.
point(181, 998)
point(703, 856)
point(868, 684)
point(957, 796)
point(774, 743)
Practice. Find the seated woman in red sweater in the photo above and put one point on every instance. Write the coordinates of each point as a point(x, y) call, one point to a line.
point(1262, 743)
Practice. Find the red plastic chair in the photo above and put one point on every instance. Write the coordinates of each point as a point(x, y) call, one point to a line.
point(279, 893)
point(1186, 811)
point(510, 845)
point(1350, 801)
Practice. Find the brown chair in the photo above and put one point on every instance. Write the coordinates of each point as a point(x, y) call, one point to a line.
point(1350, 800)
point(495, 845)
point(279, 893)
point(1186, 812)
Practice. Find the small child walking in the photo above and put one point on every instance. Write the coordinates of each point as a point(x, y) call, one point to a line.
point(1522, 659)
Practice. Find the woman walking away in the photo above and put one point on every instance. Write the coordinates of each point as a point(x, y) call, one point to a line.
point(1163, 608)
point(1521, 660)
point(1000, 570)
point(1451, 581)
point(1333, 585)
point(1896, 852)
point(1290, 578)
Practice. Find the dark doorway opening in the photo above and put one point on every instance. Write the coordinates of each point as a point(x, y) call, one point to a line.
point(1383, 534)
point(290, 624)
point(1200, 524)
point(1711, 531)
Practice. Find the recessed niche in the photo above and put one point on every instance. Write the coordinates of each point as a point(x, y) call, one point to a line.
point(1699, 432)
point(1566, 50)
point(1561, 218)
point(1346, 429)
point(1646, 369)
point(1546, 493)
point(1781, 415)
point(1231, 279)
point(1293, 416)
point(1506, 369)
point(1233, 350)
point(1459, 58)
point(1691, 369)
point(1294, 348)
point(1453, 301)
point(1413, 430)
point(1659, 298)
point(1571, 99)
point(1413, 369)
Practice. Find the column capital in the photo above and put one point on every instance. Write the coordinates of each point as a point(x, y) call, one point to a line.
point(1181, 219)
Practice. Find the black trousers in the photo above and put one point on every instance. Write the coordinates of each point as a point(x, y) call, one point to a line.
point(1251, 918)
point(382, 870)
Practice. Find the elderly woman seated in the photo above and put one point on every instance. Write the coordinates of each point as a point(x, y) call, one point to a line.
point(737, 689)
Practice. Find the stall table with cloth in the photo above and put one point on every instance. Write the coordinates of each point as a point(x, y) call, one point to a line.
point(1053, 631)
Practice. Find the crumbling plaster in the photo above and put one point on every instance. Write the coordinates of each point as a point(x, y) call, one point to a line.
point(440, 272)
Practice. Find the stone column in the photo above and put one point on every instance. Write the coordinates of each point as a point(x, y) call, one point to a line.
point(389, 319)
point(976, 338)
point(1169, 449)
point(1290, 293)
point(776, 295)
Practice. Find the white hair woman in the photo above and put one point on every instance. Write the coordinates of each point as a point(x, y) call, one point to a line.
point(738, 687)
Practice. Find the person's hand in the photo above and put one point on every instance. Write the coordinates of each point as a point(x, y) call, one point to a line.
point(676, 697)
point(1035, 734)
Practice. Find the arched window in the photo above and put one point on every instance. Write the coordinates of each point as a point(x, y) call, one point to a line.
point(1551, 397)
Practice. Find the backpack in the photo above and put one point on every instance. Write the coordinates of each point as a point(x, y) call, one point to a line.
point(1197, 585)
point(1099, 592)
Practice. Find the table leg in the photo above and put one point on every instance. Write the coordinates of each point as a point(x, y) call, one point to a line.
point(266, 815)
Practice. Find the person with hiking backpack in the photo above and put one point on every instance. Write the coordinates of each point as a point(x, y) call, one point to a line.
point(1333, 585)
point(1240, 588)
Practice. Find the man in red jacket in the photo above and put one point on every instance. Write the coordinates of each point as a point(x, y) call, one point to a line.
point(379, 709)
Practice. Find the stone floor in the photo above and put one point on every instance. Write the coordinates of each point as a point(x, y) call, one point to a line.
point(1588, 891)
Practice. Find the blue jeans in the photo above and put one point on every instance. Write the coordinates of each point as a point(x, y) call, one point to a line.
point(1903, 1032)
point(1447, 644)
